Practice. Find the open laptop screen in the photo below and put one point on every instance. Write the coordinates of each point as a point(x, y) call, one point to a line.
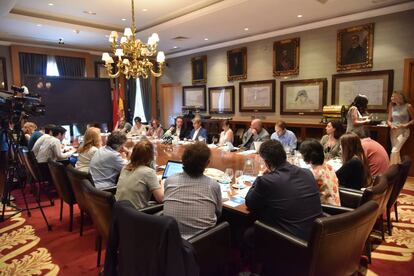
point(171, 168)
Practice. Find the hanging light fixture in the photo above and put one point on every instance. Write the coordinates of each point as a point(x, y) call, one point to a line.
point(133, 57)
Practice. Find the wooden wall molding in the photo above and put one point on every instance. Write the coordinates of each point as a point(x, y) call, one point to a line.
point(15, 62)
point(408, 73)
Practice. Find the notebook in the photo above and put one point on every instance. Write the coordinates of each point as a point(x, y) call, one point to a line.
point(171, 168)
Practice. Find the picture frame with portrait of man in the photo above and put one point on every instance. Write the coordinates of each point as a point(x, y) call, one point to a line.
point(199, 69)
point(237, 64)
point(355, 48)
point(286, 57)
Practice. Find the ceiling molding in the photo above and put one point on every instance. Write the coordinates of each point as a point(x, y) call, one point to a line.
point(310, 26)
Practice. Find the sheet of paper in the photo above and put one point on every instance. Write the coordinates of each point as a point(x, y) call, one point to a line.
point(247, 152)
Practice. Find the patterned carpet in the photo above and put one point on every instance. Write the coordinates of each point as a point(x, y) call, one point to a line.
point(27, 248)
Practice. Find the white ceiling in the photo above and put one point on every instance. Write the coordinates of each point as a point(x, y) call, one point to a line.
point(223, 22)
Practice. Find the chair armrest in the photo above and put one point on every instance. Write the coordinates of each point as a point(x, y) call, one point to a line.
point(208, 232)
point(152, 209)
point(335, 210)
point(349, 197)
point(279, 234)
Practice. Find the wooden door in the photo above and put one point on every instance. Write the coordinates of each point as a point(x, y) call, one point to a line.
point(171, 101)
point(408, 148)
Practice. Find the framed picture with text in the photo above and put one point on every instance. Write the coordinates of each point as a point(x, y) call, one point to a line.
point(221, 100)
point(303, 97)
point(376, 85)
point(195, 96)
point(257, 96)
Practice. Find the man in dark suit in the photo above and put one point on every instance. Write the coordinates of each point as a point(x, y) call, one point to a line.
point(178, 129)
point(197, 131)
point(256, 133)
point(286, 196)
point(355, 54)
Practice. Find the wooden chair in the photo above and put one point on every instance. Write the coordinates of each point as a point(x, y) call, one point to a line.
point(63, 187)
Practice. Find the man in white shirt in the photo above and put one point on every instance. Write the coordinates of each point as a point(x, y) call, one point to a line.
point(52, 147)
point(47, 133)
point(138, 128)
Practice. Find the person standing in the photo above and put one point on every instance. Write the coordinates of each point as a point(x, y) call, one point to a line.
point(400, 118)
point(356, 115)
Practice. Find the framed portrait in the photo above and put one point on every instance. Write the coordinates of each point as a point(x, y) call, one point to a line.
point(303, 97)
point(100, 70)
point(286, 57)
point(221, 100)
point(195, 96)
point(257, 96)
point(199, 69)
point(355, 47)
point(237, 64)
point(3, 74)
point(376, 85)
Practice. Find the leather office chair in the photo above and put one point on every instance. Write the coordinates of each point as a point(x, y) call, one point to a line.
point(403, 170)
point(213, 249)
point(63, 187)
point(99, 205)
point(334, 248)
point(30, 165)
point(75, 178)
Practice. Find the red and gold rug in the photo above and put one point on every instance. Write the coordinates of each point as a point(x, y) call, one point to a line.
point(27, 248)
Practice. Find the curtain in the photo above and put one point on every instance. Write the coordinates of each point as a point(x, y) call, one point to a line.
point(32, 64)
point(131, 90)
point(146, 96)
point(70, 66)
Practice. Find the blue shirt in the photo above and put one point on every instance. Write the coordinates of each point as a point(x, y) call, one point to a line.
point(105, 167)
point(287, 139)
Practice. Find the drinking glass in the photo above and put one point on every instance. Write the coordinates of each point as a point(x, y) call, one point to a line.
point(229, 175)
point(237, 175)
point(248, 167)
point(214, 140)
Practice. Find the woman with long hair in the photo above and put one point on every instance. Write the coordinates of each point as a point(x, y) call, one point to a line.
point(354, 172)
point(227, 134)
point(138, 180)
point(400, 119)
point(91, 143)
point(357, 112)
point(330, 141)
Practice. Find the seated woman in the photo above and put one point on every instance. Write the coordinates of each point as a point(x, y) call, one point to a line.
point(312, 152)
point(92, 141)
point(138, 180)
point(155, 130)
point(330, 141)
point(354, 173)
point(227, 134)
point(192, 198)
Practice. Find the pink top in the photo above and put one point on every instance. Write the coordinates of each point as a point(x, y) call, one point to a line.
point(378, 159)
point(328, 184)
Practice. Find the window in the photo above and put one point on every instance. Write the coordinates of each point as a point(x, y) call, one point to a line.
point(139, 106)
point(51, 67)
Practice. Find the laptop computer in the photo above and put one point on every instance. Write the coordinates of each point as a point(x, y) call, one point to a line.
point(171, 168)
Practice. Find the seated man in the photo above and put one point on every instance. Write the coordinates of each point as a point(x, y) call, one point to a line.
point(286, 137)
point(190, 197)
point(256, 133)
point(107, 162)
point(51, 148)
point(286, 196)
point(43, 135)
point(177, 130)
point(123, 126)
point(378, 160)
point(138, 128)
point(198, 131)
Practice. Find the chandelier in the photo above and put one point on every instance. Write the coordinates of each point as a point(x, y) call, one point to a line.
point(134, 58)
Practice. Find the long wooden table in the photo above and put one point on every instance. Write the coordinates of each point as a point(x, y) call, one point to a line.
point(219, 160)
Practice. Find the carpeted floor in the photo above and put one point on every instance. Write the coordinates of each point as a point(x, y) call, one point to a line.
point(27, 248)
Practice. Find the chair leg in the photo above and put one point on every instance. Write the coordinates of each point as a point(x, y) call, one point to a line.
point(70, 217)
point(396, 211)
point(389, 225)
point(81, 224)
point(368, 248)
point(382, 227)
point(61, 209)
point(99, 242)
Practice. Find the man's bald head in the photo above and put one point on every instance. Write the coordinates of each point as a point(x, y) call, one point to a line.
point(256, 124)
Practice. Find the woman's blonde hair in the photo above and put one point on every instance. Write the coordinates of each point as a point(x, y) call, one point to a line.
point(91, 138)
point(402, 95)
